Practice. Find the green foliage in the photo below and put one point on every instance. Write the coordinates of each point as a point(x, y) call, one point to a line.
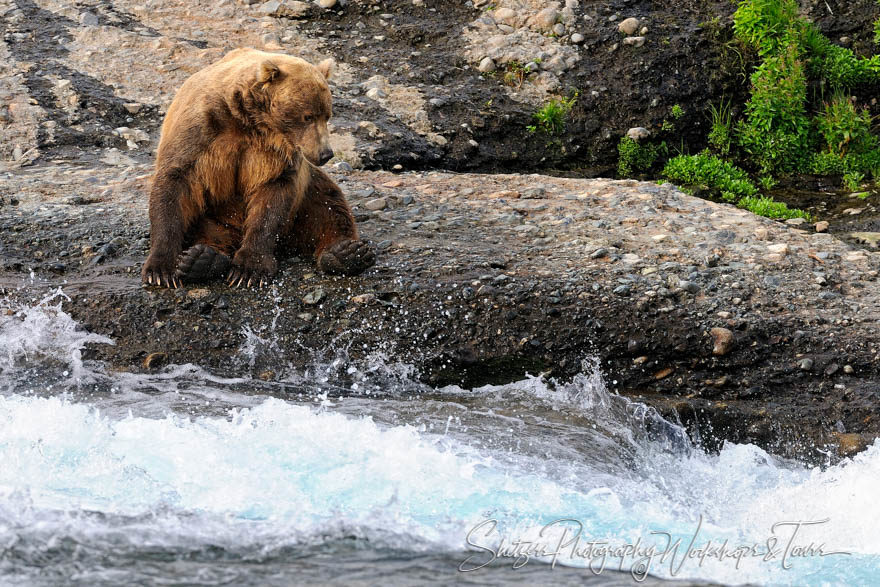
point(852, 180)
point(677, 112)
point(849, 148)
point(763, 24)
point(637, 157)
point(842, 69)
point(776, 132)
point(706, 169)
point(770, 208)
point(721, 133)
point(877, 31)
point(731, 182)
point(550, 118)
point(767, 182)
point(845, 128)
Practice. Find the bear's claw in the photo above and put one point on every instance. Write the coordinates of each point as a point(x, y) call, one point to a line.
point(201, 263)
point(347, 257)
point(159, 272)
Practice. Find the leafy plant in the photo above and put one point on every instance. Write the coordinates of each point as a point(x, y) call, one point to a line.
point(767, 182)
point(677, 112)
point(763, 24)
point(844, 127)
point(550, 118)
point(770, 208)
point(708, 170)
point(731, 182)
point(852, 180)
point(776, 132)
point(635, 157)
point(722, 131)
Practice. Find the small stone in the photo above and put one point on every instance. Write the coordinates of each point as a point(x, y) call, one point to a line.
point(343, 166)
point(305, 316)
point(88, 18)
point(133, 107)
point(848, 369)
point(599, 253)
point(363, 298)
point(628, 26)
point(805, 364)
point(533, 193)
point(505, 15)
point(638, 133)
point(796, 221)
point(375, 94)
point(155, 360)
point(376, 204)
point(577, 38)
point(313, 297)
point(779, 248)
point(326, 3)
point(722, 340)
point(831, 369)
point(644, 31)
point(822, 226)
point(487, 65)
point(634, 41)
point(198, 293)
point(663, 373)
point(547, 18)
point(689, 286)
point(559, 29)
point(850, 444)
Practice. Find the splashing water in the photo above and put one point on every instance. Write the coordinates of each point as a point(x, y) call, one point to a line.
point(185, 475)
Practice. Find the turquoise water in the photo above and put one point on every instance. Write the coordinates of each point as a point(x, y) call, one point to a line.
point(184, 474)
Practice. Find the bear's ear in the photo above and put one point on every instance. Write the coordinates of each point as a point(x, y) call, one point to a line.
point(268, 72)
point(326, 68)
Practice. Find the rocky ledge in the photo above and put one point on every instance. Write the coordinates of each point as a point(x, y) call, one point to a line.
point(744, 328)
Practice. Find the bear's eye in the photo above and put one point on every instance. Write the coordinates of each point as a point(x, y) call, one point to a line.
point(309, 117)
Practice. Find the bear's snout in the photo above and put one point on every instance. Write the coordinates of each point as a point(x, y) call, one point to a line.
point(325, 155)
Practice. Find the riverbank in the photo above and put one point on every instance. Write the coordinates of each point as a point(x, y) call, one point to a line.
point(744, 328)
point(747, 329)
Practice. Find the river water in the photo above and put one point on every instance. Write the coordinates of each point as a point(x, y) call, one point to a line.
point(357, 474)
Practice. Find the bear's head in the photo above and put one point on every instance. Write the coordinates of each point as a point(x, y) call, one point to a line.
point(295, 100)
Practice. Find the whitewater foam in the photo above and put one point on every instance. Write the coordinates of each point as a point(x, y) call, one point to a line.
point(182, 460)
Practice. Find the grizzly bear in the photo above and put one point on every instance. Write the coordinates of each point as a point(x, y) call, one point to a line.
point(238, 180)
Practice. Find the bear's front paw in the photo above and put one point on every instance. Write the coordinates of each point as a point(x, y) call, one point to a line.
point(159, 270)
point(347, 257)
point(251, 269)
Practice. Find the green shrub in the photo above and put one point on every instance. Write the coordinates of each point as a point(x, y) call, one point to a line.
point(763, 24)
point(770, 208)
point(843, 70)
point(635, 157)
point(550, 118)
point(844, 128)
point(706, 169)
point(776, 132)
point(731, 182)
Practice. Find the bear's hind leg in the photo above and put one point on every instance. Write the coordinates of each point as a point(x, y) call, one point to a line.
point(210, 257)
point(325, 227)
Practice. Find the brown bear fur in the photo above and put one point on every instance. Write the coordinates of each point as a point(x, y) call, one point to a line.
point(237, 174)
